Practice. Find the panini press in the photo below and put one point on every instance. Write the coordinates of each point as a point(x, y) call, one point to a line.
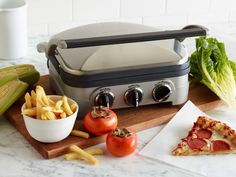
point(120, 65)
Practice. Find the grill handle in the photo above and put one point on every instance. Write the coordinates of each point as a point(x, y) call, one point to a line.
point(188, 31)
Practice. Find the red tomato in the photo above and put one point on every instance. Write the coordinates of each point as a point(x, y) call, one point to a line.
point(100, 121)
point(121, 142)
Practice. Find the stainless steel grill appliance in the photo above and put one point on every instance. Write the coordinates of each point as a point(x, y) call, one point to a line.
point(120, 65)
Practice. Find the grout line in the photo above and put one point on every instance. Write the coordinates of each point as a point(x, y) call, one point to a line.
point(72, 10)
point(229, 17)
point(47, 29)
point(165, 13)
point(210, 6)
point(187, 18)
point(120, 9)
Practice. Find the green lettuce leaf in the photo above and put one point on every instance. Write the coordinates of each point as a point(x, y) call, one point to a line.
point(211, 67)
point(233, 67)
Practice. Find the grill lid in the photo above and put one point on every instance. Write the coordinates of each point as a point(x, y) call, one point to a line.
point(119, 56)
point(114, 53)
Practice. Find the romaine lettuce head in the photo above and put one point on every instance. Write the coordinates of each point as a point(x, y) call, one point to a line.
point(210, 66)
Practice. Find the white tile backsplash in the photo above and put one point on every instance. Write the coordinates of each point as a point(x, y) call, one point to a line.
point(138, 20)
point(166, 21)
point(143, 8)
point(185, 7)
point(54, 28)
point(49, 11)
point(96, 9)
point(49, 17)
point(208, 18)
point(232, 17)
point(37, 29)
point(220, 6)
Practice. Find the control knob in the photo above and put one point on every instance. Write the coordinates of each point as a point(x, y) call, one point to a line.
point(104, 98)
point(161, 92)
point(133, 96)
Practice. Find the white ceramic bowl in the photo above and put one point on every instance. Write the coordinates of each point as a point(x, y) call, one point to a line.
point(50, 131)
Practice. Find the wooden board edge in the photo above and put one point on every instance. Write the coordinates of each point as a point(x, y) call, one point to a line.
point(212, 105)
point(65, 149)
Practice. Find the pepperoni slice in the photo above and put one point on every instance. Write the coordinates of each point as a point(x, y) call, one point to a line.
point(196, 143)
point(203, 133)
point(220, 145)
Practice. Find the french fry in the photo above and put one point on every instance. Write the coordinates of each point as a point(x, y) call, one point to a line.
point(33, 98)
point(45, 98)
point(57, 112)
point(73, 107)
point(58, 105)
point(80, 134)
point(72, 156)
point(43, 116)
point(50, 115)
point(86, 156)
point(63, 115)
point(39, 103)
point(43, 94)
point(95, 151)
point(38, 109)
point(66, 106)
point(58, 109)
point(39, 97)
point(28, 100)
point(29, 112)
point(51, 102)
point(45, 108)
point(75, 156)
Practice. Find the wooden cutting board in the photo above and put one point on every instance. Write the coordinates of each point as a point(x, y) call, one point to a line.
point(136, 118)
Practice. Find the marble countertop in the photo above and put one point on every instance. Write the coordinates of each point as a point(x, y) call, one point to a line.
point(19, 159)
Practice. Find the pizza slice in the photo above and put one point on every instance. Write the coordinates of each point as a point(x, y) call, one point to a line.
point(207, 136)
